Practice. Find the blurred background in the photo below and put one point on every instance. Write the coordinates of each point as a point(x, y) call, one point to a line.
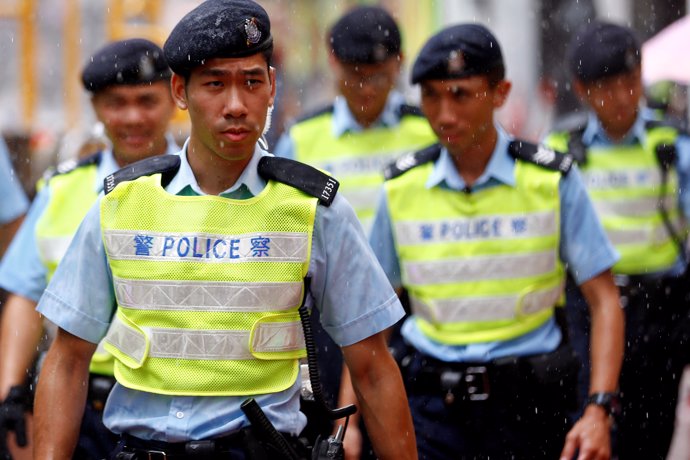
point(46, 117)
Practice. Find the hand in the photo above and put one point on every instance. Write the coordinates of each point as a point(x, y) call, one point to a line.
point(591, 435)
point(13, 414)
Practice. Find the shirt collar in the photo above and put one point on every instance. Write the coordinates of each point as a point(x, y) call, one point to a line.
point(594, 133)
point(500, 168)
point(249, 178)
point(108, 165)
point(344, 121)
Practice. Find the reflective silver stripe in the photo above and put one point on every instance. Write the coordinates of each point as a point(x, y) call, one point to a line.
point(490, 227)
point(206, 248)
point(657, 235)
point(491, 267)
point(205, 344)
point(489, 308)
point(360, 165)
point(602, 180)
point(636, 207)
point(54, 248)
point(206, 296)
point(126, 339)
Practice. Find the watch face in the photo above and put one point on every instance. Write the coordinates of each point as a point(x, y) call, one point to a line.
point(609, 401)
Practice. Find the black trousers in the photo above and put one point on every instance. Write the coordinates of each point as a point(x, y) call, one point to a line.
point(657, 330)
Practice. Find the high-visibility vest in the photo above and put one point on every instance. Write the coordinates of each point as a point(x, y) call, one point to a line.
point(207, 288)
point(625, 183)
point(482, 266)
point(357, 159)
point(72, 193)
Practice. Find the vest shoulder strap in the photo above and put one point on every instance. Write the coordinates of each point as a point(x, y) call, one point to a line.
point(70, 165)
point(540, 155)
point(411, 160)
point(409, 110)
point(166, 165)
point(314, 113)
point(300, 176)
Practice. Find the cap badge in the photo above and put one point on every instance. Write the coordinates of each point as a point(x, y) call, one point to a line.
point(252, 31)
point(456, 62)
point(380, 52)
point(146, 68)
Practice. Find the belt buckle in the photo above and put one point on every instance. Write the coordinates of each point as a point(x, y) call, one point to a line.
point(476, 381)
point(156, 455)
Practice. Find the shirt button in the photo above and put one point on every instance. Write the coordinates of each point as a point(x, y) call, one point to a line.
point(179, 414)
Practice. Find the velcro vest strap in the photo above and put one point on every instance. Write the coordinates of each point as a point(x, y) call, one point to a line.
point(165, 165)
point(267, 340)
point(541, 155)
point(301, 176)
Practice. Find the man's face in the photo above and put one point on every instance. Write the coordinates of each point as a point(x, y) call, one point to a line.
point(365, 87)
point(461, 111)
point(227, 99)
point(136, 118)
point(614, 99)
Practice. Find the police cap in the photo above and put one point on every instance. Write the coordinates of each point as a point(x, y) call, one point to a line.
point(601, 49)
point(218, 29)
point(459, 51)
point(127, 62)
point(365, 35)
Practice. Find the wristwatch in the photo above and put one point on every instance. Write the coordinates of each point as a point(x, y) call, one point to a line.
point(609, 401)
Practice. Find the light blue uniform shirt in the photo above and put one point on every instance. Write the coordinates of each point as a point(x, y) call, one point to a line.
point(594, 135)
point(348, 286)
point(344, 122)
point(584, 248)
point(22, 271)
point(14, 200)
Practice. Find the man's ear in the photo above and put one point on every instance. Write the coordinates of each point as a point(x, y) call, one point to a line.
point(179, 93)
point(501, 92)
point(272, 80)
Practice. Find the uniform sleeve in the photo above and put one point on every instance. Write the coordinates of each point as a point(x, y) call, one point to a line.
point(285, 147)
point(22, 272)
point(349, 287)
point(80, 297)
point(683, 168)
point(585, 248)
point(14, 201)
point(381, 242)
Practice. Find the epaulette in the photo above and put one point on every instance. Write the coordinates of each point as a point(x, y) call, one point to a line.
point(71, 165)
point(406, 109)
point(411, 160)
point(541, 155)
point(665, 123)
point(300, 176)
point(313, 114)
point(166, 165)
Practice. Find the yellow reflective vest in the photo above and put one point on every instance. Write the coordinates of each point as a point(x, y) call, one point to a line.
point(207, 288)
point(72, 194)
point(483, 266)
point(625, 184)
point(357, 159)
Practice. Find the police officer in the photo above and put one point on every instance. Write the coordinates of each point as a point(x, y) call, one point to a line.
point(14, 200)
point(479, 229)
point(637, 172)
point(198, 263)
point(129, 83)
point(367, 125)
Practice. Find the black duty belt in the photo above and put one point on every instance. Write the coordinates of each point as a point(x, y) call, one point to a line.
point(139, 449)
point(497, 379)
